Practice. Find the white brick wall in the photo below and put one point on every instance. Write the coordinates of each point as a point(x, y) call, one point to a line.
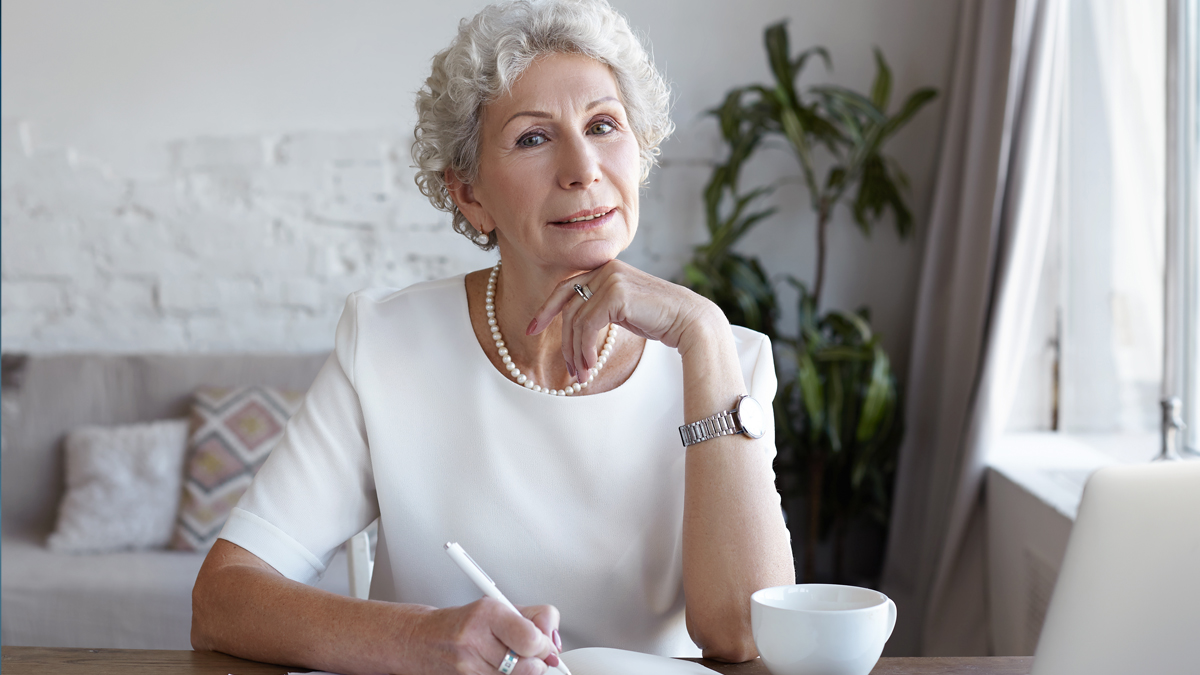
point(237, 243)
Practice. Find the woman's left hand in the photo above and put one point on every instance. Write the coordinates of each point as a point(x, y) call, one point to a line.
point(641, 303)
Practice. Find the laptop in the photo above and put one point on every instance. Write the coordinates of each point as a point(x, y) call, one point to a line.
point(1127, 598)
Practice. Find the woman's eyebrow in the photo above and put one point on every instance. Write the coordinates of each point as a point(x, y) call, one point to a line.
point(546, 115)
point(528, 113)
point(598, 101)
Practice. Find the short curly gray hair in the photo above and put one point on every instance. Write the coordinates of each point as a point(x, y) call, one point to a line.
point(491, 51)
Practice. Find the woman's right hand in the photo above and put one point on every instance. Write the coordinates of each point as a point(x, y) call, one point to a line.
point(474, 638)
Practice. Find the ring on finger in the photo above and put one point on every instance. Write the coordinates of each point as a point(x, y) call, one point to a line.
point(509, 662)
point(584, 292)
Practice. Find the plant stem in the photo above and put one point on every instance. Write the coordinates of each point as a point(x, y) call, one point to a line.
point(822, 224)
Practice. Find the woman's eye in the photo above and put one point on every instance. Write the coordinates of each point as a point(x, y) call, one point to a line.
point(531, 141)
point(600, 128)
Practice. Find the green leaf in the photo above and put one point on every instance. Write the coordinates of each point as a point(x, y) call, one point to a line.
point(849, 326)
point(694, 276)
point(833, 407)
point(880, 397)
point(917, 100)
point(794, 131)
point(730, 114)
point(751, 316)
point(802, 57)
point(837, 176)
point(752, 220)
point(812, 393)
point(842, 353)
point(849, 125)
point(712, 197)
point(776, 38)
point(806, 306)
point(823, 130)
point(900, 209)
point(881, 89)
point(897, 173)
point(877, 191)
point(850, 101)
point(861, 466)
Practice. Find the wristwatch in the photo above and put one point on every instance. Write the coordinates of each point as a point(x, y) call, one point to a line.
point(747, 418)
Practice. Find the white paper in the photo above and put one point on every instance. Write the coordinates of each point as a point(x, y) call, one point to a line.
point(603, 661)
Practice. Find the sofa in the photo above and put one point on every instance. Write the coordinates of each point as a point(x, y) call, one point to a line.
point(132, 599)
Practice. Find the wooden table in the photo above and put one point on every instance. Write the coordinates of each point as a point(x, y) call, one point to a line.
point(39, 660)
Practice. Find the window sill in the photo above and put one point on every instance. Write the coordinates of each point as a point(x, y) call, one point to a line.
point(1054, 467)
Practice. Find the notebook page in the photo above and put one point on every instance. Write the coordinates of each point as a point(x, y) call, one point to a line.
point(604, 661)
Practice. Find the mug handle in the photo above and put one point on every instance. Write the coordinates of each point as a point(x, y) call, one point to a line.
point(891, 618)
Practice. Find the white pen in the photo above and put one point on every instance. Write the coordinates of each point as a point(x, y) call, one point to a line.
point(480, 578)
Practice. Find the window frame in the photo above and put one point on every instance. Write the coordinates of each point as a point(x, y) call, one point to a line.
point(1181, 349)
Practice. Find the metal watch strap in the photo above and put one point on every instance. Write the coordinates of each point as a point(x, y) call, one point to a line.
point(721, 424)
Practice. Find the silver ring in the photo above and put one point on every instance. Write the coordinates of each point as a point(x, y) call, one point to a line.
point(509, 662)
point(584, 292)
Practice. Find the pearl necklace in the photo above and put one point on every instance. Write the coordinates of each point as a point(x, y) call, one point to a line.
point(524, 379)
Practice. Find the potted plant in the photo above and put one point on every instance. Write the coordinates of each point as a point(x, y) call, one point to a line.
point(736, 283)
point(838, 415)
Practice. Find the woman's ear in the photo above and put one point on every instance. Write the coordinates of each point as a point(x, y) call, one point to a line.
point(464, 198)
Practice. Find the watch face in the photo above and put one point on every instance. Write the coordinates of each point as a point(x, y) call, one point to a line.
point(754, 420)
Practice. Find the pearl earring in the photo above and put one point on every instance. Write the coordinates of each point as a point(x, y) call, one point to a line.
point(481, 238)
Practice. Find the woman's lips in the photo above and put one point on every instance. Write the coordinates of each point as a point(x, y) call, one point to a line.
point(592, 223)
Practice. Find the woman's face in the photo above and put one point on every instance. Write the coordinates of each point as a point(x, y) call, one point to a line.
point(555, 149)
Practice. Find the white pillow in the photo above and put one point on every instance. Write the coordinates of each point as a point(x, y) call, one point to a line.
point(123, 487)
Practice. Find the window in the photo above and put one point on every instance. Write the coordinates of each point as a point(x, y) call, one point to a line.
point(1096, 362)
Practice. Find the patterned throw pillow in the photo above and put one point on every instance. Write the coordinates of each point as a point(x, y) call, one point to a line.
point(233, 431)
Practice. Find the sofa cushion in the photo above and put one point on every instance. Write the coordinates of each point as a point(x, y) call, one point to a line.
point(233, 431)
point(127, 600)
point(130, 600)
point(123, 487)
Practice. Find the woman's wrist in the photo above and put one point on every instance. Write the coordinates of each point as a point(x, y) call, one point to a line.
point(410, 645)
point(706, 333)
point(712, 373)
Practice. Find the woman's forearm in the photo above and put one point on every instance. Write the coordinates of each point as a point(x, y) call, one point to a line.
point(734, 538)
point(246, 608)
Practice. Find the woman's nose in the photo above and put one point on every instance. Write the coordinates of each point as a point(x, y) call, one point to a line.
point(579, 164)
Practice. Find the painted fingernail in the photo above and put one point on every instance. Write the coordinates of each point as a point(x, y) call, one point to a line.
point(532, 325)
point(557, 639)
point(570, 369)
point(552, 661)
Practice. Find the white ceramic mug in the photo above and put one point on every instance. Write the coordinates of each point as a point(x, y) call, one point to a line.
point(821, 629)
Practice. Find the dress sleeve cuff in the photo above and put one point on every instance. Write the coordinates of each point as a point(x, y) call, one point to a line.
point(274, 546)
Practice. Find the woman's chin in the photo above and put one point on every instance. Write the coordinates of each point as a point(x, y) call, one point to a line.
point(574, 257)
point(589, 258)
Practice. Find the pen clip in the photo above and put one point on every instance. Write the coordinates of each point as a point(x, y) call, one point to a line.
point(485, 574)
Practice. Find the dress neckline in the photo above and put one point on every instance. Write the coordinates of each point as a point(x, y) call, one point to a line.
point(478, 354)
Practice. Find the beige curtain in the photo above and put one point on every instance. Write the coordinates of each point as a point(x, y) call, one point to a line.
point(993, 204)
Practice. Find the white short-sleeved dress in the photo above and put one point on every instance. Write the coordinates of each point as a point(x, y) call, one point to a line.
point(570, 501)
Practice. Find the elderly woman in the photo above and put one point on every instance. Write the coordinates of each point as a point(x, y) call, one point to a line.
point(531, 411)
